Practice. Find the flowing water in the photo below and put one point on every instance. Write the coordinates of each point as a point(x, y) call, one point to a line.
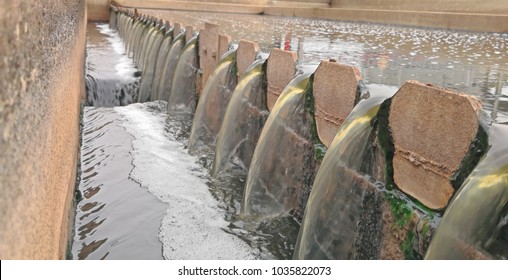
point(276, 179)
point(212, 105)
point(479, 210)
point(160, 65)
point(111, 78)
point(182, 91)
point(113, 204)
point(143, 195)
point(336, 198)
point(244, 119)
point(168, 70)
point(146, 197)
point(147, 79)
point(474, 63)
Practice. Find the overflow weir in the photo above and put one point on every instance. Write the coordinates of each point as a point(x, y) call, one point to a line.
point(282, 139)
point(293, 161)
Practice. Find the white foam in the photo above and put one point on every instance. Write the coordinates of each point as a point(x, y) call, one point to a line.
point(193, 225)
point(124, 67)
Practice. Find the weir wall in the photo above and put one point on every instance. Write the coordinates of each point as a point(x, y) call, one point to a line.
point(42, 81)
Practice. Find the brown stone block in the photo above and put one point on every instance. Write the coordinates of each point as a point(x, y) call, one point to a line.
point(280, 71)
point(208, 50)
point(432, 130)
point(335, 91)
point(189, 33)
point(431, 189)
point(224, 42)
point(177, 29)
point(246, 54)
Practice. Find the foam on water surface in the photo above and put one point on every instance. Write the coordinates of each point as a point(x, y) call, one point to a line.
point(193, 225)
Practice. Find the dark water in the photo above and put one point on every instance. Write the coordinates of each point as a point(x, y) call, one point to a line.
point(117, 218)
point(475, 63)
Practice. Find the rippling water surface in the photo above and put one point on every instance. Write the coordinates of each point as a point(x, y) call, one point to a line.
point(474, 63)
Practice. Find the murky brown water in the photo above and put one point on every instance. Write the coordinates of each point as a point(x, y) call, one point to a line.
point(475, 63)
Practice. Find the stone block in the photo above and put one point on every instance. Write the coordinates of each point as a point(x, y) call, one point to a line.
point(177, 29)
point(335, 92)
point(432, 130)
point(189, 33)
point(246, 54)
point(208, 50)
point(224, 43)
point(279, 72)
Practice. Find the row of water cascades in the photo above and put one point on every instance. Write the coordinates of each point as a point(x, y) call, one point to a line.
point(309, 163)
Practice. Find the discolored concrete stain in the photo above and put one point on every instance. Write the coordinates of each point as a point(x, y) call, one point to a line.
point(335, 91)
point(279, 72)
point(432, 130)
point(42, 70)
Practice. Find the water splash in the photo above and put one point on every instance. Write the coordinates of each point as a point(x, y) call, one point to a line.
point(244, 119)
point(212, 104)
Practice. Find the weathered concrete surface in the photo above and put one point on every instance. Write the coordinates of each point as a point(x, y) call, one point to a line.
point(98, 10)
point(232, 6)
point(246, 54)
point(432, 130)
point(472, 15)
point(335, 94)
point(42, 81)
point(177, 29)
point(208, 50)
point(279, 72)
point(224, 43)
point(189, 33)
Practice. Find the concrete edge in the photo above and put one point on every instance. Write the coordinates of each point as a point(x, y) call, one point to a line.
point(444, 20)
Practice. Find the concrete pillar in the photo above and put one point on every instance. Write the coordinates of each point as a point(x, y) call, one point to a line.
point(246, 54)
point(208, 50)
point(335, 94)
point(279, 72)
point(432, 130)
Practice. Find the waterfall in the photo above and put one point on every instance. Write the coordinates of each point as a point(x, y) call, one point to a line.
point(243, 121)
point(327, 230)
point(213, 103)
point(145, 91)
point(159, 64)
point(169, 67)
point(476, 221)
point(277, 175)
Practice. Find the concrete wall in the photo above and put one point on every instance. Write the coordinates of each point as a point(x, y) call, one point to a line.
point(41, 80)
point(471, 15)
point(98, 10)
